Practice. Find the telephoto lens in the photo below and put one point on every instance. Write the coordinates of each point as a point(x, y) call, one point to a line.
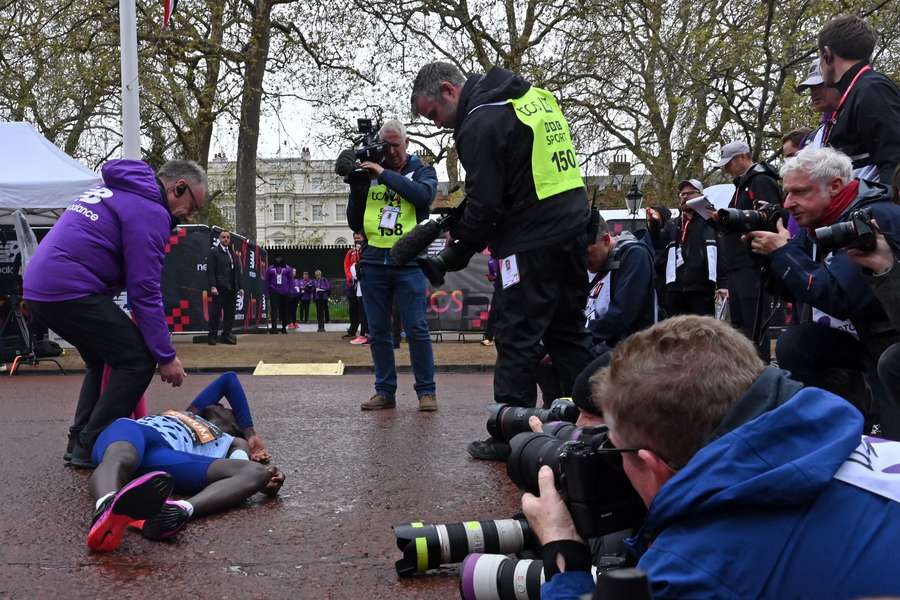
point(428, 546)
point(498, 577)
point(506, 421)
point(742, 221)
point(622, 584)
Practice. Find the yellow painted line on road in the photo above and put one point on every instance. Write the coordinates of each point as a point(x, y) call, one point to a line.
point(299, 368)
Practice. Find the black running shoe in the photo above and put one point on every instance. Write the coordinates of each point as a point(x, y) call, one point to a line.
point(170, 519)
point(489, 449)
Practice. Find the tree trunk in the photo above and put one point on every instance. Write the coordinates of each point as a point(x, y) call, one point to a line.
point(251, 101)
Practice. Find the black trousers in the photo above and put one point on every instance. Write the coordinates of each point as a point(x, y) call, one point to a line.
point(743, 293)
point(353, 307)
point(322, 312)
point(293, 301)
point(363, 320)
point(546, 305)
point(304, 310)
point(491, 325)
point(103, 334)
point(824, 357)
point(690, 302)
point(222, 307)
point(279, 310)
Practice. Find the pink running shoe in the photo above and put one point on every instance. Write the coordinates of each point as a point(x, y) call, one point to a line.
point(359, 340)
point(140, 499)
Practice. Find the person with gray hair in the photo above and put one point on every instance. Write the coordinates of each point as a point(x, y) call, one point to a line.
point(842, 328)
point(386, 205)
point(111, 239)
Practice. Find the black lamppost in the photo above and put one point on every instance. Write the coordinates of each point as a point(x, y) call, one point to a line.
point(633, 200)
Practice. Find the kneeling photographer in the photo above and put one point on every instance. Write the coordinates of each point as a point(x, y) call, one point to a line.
point(843, 328)
point(736, 508)
point(390, 191)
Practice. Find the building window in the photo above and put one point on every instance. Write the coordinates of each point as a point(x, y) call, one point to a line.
point(340, 213)
point(317, 215)
point(278, 210)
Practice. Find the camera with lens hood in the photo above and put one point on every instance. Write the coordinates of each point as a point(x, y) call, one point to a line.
point(856, 232)
point(506, 420)
point(744, 221)
point(589, 477)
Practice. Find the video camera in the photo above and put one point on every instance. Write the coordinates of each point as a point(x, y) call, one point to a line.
point(589, 477)
point(454, 257)
point(856, 232)
point(367, 148)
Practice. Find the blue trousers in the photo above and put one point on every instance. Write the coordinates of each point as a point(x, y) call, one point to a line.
point(380, 285)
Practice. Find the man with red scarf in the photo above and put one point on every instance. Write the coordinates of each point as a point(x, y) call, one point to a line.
point(842, 328)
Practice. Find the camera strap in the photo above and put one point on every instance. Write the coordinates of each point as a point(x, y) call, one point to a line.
point(834, 116)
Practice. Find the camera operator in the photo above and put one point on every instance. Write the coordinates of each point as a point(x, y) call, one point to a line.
point(756, 185)
point(865, 124)
point(622, 297)
point(384, 205)
point(737, 508)
point(823, 347)
point(525, 198)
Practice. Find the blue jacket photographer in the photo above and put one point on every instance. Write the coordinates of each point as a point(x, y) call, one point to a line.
point(736, 508)
point(622, 296)
point(843, 328)
point(524, 198)
point(386, 202)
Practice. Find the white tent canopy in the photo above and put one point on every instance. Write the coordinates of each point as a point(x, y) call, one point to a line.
point(36, 175)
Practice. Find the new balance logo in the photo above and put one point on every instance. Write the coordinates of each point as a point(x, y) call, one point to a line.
point(84, 210)
point(94, 195)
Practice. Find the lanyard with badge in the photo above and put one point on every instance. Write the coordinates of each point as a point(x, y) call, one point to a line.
point(390, 214)
point(834, 116)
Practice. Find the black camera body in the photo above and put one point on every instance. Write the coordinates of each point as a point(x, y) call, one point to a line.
point(591, 480)
point(744, 221)
point(856, 232)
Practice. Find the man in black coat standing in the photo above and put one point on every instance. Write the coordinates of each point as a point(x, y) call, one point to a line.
point(223, 273)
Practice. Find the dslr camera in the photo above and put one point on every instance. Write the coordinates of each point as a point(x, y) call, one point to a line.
point(744, 221)
point(367, 148)
point(589, 477)
point(856, 232)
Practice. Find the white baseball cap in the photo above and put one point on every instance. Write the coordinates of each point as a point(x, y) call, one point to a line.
point(731, 150)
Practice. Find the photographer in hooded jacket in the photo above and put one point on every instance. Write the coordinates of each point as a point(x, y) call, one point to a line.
point(385, 205)
point(736, 508)
point(843, 329)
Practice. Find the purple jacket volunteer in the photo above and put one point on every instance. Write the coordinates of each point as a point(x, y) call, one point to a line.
point(280, 280)
point(124, 222)
point(322, 288)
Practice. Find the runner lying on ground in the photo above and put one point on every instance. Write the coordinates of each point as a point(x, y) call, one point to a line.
point(199, 453)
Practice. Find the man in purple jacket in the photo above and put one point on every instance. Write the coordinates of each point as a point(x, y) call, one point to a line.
point(113, 237)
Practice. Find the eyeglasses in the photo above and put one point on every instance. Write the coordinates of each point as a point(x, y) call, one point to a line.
point(194, 204)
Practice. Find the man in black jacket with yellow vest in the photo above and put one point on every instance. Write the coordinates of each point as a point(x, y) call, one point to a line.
point(866, 124)
point(524, 198)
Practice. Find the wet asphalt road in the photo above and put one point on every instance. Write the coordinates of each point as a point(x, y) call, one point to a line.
point(350, 476)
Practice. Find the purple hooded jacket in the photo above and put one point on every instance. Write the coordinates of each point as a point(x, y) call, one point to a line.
point(111, 238)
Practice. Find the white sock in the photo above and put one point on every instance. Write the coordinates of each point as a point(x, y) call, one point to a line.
point(186, 506)
point(239, 455)
point(101, 499)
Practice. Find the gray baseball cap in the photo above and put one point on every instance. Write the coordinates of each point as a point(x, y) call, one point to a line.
point(731, 150)
point(694, 183)
point(813, 78)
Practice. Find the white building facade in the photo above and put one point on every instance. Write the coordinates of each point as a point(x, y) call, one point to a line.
point(298, 201)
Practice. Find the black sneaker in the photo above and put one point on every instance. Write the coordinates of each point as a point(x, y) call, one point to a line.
point(489, 449)
point(80, 457)
point(170, 519)
point(70, 446)
point(211, 340)
point(348, 336)
point(228, 339)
